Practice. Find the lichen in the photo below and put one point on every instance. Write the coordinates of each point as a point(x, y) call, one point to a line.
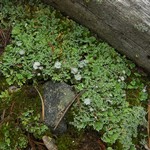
point(141, 27)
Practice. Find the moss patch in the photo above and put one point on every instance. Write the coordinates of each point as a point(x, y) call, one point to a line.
point(17, 123)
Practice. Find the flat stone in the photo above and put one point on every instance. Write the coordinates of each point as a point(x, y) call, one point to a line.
point(57, 96)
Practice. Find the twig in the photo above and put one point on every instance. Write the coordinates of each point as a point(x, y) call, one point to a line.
point(4, 120)
point(3, 37)
point(148, 128)
point(42, 102)
point(31, 143)
point(63, 114)
point(3, 114)
point(11, 108)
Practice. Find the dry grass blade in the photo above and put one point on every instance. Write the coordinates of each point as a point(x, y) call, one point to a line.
point(42, 102)
point(3, 115)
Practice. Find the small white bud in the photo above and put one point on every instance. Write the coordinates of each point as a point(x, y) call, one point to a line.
point(82, 63)
point(74, 70)
point(18, 43)
point(122, 78)
point(36, 65)
point(21, 52)
point(25, 24)
point(57, 65)
point(119, 80)
point(123, 72)
point(144, 89)
point(91, 109)
point(124, 95)
point(110, 95)
point(87, 101)
point(103, 109)
point(78, 76)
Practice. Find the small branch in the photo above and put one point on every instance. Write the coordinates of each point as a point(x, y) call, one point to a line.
point(3, 114)
point(42, 102)
point(64, 112)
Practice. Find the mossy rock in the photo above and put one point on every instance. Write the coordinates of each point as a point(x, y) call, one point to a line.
point(57, 97)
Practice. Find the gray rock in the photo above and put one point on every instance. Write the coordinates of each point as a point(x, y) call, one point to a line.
point(57, 96)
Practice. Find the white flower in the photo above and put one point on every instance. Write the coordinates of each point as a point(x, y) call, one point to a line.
point(74, 70)
point(82, 63)
point(122, 78)
point(103, 109)
point(119, 80)
point(91, 109)
point(36, 65)
point(57, 65)
point(144, 89)
point(25, 24)
point(38, 74)
point(84, 46)
point(124, 95)
point(78, 76)
point(22, 52)
point(87, 101)
point(123, 72)
point(18, 43)
point(110, 95)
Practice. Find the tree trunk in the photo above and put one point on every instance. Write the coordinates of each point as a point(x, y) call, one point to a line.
point(124, 24)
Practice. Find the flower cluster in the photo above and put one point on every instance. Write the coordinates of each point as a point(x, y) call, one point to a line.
point(76, 73)
point(78, 76)
point(37, 65)
point(121, 79)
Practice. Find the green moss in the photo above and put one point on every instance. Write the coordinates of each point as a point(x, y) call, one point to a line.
point(70, 140)
point(12, 137)
point(13, 127)
point(65, 142)
point(137, 88)
point(3, 83)
point(46, 38)
point(27, 98)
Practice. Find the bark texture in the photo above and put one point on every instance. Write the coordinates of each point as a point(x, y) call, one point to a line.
point(124, 24)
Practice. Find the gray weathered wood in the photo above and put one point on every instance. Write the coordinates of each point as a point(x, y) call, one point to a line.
point(124, 24)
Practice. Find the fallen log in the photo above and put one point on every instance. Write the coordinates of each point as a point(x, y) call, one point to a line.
point(124, 24)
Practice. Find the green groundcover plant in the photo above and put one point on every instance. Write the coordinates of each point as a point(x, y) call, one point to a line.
point(45, 45)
